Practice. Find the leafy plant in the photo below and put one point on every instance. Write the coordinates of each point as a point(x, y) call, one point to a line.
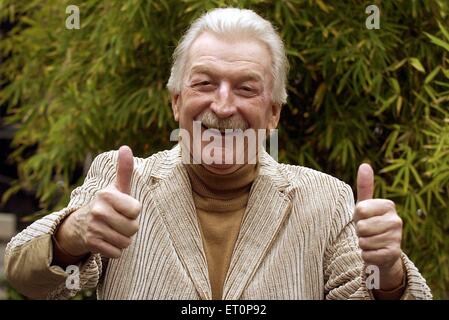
point(354, 95)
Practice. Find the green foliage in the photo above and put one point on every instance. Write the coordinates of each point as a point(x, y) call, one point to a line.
point(355, 95)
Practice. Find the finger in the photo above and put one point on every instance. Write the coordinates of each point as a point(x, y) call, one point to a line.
point(380, 241)
point(365, 182)
point(122, 203)
point(125, 166)
point(121, 224)
point(381, 256)
point(376, 225)
point(114, 238)
point(104, 248)
point(372, 207)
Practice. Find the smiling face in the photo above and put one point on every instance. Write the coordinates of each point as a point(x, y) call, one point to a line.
point(227, 84)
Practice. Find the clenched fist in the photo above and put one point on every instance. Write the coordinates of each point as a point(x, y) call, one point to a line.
point(379, 229)
point(107, 224)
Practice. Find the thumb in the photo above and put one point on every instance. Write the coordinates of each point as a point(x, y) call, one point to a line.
point(365, 182)
point(125, 165)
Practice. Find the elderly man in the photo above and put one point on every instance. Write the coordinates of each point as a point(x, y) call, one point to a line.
point(166, 227)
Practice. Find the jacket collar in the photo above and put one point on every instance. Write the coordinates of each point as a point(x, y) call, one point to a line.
point(268, 206)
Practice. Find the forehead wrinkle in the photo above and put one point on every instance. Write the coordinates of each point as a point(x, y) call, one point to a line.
point(246, 74)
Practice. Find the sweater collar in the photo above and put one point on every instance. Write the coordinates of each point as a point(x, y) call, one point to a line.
point(217, 186)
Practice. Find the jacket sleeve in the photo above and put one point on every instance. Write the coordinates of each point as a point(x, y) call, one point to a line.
point(343, 265)
point(29, 254)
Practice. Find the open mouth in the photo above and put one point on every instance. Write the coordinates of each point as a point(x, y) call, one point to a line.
point(222, 131)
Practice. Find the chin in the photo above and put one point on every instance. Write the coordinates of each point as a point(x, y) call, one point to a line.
point(221, 168)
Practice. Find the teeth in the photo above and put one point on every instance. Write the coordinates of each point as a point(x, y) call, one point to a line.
point(223, 131)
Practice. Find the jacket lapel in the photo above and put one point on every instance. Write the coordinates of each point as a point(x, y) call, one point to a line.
point(173, 197)
point(268, 206)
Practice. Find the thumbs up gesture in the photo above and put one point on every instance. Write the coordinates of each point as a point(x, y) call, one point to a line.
point(111, 218)
point(379, 229)
point(106, 224)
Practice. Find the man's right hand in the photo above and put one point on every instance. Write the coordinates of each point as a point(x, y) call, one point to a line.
point(107, 224)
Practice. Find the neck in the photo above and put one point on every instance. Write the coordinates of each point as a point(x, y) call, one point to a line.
point(222, 186)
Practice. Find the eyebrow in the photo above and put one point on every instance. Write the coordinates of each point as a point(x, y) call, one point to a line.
point(247, 76)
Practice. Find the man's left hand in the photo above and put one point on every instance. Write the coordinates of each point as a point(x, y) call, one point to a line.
point(379, 229)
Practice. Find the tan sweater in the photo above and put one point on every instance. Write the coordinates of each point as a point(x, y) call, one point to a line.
point(220, 202)
point(296, 241)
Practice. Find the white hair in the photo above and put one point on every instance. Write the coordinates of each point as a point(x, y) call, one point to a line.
point(231, 22)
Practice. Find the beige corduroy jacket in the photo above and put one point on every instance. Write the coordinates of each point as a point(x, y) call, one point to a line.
point(296, 240)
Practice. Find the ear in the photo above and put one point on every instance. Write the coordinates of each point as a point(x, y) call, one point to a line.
point(274, 116)
point(175, 104)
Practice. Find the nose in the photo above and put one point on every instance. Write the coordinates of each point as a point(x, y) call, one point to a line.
point(223, 105)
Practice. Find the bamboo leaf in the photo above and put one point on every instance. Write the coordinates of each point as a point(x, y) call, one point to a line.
point(438, 41)
point(432, 75)
point(417, 64)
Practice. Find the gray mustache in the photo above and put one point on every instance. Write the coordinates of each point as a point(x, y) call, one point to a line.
point(210, 120)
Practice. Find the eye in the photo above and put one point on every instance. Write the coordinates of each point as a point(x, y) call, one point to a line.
point(204, 85)
point(246, 91)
